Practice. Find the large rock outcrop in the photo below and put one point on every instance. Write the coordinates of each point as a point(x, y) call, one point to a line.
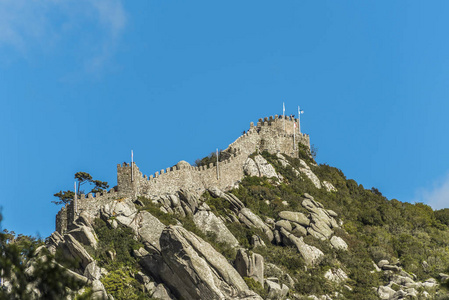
point(305, 169)
point(193, 269)
point(121, 210)
point(148, 228)
point(321, 222)
point(250, 265)
point(77, 251)
point(207, 221)
point(236, 204)
point(247, 217)
point(294, 216)
point(259, 167)
point(311, 254)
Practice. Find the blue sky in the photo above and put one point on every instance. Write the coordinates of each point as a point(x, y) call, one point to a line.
point(84, 82)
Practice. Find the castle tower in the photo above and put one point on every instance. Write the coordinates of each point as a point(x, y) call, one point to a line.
point(128, 178)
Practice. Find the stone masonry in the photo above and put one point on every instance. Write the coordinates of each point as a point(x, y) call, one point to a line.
point(268, 134)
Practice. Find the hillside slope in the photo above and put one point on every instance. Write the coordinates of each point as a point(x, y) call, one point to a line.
point(289, 229)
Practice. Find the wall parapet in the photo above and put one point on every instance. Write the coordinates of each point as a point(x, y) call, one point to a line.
point(276, 134)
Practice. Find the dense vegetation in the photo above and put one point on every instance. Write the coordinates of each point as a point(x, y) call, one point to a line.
point(19, 254)
point(374, 228)
point(114, 253)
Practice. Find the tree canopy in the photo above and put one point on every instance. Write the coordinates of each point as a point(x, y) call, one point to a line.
point(82, 178)
point(27, 267)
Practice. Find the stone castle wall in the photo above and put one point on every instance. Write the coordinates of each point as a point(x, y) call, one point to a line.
point(268, 134)
point(89, 203)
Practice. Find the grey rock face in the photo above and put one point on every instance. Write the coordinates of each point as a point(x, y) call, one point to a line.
point(321, 222)
point(53, 241)
point(123, 211)
point(144, 224)
point(250, 265)
point(338, 243)
point(390, 268)
point(273, 271)
point(299, 230)
point(401, 280)
point(283, 224)
point(332, 213)
point(336, 275)
point(319, 229)
point(259, 167)
point(282, 160)
point(250, 168)
point(265, 169)
point(256, 241)
point(277, 237)
point(148, 228)
point(161, 292)
point(247, 217)
point(310, 253)
point(92, 271)
point(235, 202)
point(174, 200)
point(77, 251)
point(385, 292)
point(56, 238)
point(429, 283)
point(308, 172)
point(296, 217)
point(98, 291)
point(189, 198)
point(75, 276)
point(207, 221)
point(85, 235)
point(382, 263)
point(329, 186)
point(276, 291)
point(193, 269)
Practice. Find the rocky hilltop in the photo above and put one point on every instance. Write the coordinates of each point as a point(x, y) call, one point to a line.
point(263, 221)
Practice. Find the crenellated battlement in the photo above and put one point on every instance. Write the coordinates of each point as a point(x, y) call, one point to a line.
point(276, 134)
point(85, 203)
point(268, 134)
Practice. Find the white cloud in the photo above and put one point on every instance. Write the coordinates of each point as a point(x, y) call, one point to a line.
point(94, 27)
point(436, 196)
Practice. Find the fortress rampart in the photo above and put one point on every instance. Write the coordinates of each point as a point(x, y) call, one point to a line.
point(274, 134)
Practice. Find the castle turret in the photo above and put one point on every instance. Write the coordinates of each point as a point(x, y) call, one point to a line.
point(129, 178)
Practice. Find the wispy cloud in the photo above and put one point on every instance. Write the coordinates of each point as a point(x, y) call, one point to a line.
point(437, 196)
point(93, 27)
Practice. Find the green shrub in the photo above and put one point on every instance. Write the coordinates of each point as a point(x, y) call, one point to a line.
point(256, 287)
point(120, 240)
point(442, 215)
point(155, 210)
point(287, 257)
point(122, 286)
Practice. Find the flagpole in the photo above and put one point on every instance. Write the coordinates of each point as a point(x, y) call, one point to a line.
point(75, 200)
point(283, 113)
point(218, 175)
point(132, 167)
